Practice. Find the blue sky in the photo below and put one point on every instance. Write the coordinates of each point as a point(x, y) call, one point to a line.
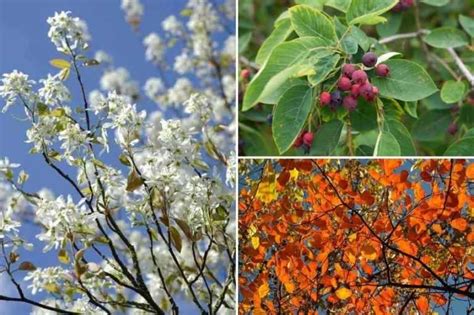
point(24, 46)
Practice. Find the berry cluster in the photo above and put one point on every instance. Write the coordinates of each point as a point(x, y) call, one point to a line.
point(355, 83)
point(403, 5)
point(305, 140)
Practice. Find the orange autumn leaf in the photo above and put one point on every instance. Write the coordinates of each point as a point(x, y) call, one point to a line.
point(470, 171)
point(459, 224)
point(263, 290)
point(334, 227)
point(423, 304)
point(368, 252)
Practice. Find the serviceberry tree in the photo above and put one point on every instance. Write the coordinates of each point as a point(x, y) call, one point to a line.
point(152, 229)
point(368, 78)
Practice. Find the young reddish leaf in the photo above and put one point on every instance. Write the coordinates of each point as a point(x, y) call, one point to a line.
point(423, 304)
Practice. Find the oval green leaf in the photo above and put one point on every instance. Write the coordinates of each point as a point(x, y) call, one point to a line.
point(290, 116)
point(446, 37)
point(408, 81)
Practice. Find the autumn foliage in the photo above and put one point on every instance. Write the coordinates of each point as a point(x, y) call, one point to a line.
point(355, 237)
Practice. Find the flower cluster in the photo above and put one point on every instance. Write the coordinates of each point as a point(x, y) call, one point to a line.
point(15, 85)
point(68, 33)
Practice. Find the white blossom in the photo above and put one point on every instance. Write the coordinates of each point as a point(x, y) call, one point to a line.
point(53, 92)
point(183, 63)
point(172, 25)
point(15, 85)
point(155, 48)
point(67, 32)
point(119, 81)
point(133, 10)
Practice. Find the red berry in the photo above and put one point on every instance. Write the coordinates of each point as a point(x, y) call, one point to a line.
point(344, 84)
point(382, 70)
point(375, 90)
point(359, 77)
point(325, 98)
point(355, 90)
point(298, 142)
point(367, 92)
point(406, 4)
point(308, 138)
point(348, 69)
point(349, 103)
point(369, 59)
point(245, 74)
point(453, 128)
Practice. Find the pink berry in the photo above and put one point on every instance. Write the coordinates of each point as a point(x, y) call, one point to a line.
point(325, 98)
point(308, 138)
point(382, 70)
point(344, 84)
point(245, 74)
point(406, 4)
point(349, 103)
point(369, 59)
point(355, 90)
point(348, 69)
point(359, 77)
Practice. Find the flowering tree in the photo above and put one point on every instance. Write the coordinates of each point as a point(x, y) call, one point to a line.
point(357, 77)
point(151, 228)
point(356, 237)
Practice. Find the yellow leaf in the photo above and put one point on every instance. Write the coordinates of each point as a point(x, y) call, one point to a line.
point(290, 287)
point(255, 242)
point(263, 290)
point(267, 191)
point(369, 252)
point(60, 63)
point(252, 230)
point(352, 237)
point(63, 256)
point(51, 287)
point(294, 173)
point(343, 293)
point(64, 74)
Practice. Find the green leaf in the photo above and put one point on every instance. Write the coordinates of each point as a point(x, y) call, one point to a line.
point(283, 56)
point(327, 138)
point(308, 21)
point(279, 35)
point(244, 41)
point(368, 11)
point(468, 24)
point(176, 238)
point(403, 137)
point(391, 27)
point(452, 91)
point(435, 102)
point(323, 68)
point(466, 116)
point(290, 116)
point(341, 5)
point(436, 3)
point(318, 4)
point(463, 147)
point(383, 58)
point(274, 96)
point(364, 118)
point(387, 145)
point(347, 40)
point(408, 81)
point(446, 37)
point(60, 63)
point(432, 125)
point(411, 109)
point(134, 181)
